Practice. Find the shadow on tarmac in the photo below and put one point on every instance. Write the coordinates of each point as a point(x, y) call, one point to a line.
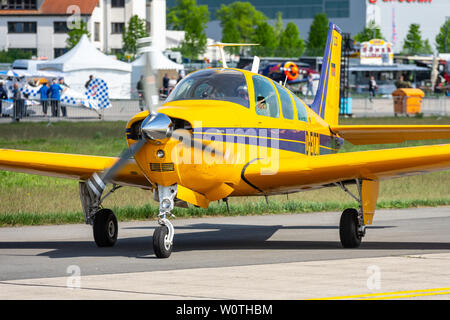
point(220, 237)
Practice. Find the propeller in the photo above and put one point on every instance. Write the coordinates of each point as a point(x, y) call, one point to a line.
point(156, 127)
point(97, 183)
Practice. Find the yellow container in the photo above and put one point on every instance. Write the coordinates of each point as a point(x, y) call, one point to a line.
point(407, 101)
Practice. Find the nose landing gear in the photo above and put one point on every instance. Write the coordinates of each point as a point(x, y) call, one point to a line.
point(163, 235)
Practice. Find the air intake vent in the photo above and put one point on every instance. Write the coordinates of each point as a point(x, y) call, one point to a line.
point(162, 167)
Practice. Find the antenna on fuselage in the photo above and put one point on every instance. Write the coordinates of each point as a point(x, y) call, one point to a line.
point(221, 45)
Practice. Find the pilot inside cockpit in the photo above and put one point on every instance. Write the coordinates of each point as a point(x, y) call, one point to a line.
point(242, 92)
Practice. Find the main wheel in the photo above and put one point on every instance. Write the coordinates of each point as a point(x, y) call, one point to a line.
point(161, 245)
point(348, 229)
point(105, 228)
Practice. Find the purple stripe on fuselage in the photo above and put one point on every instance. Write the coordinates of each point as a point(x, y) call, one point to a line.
point(265, 137)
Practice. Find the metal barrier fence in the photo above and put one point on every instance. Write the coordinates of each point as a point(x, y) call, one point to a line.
point(125, 109)
point(34, 111)
point(384, 107)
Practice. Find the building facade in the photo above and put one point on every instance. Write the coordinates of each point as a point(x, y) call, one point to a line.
point(393, 16)
point(41, 26)
point(348, 14)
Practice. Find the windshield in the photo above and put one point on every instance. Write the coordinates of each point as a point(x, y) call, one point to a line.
point(213, 84)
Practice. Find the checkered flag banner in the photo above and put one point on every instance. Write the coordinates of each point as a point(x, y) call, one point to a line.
point(30, 92)
point(95, 97)
point(97, 94)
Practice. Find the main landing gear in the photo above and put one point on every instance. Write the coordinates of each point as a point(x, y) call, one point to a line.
point(105, 228)
point(351, 231)
point(352, 226)
point(103, 221)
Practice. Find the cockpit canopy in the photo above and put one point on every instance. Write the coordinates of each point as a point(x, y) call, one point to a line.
point(213, 84)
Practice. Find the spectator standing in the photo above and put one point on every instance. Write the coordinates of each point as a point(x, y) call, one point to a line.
point(91, 77)
point(309, 86)
point(63, 86)
point(180, 76)
point(372, 88)
point(19, 103)
point(55, 94)
point(3, 96)
point(166, 80)
point(140, 91)
point(44, 91)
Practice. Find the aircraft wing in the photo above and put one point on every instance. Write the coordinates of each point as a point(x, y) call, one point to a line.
point(379, 134)
point(71, 166)
point(323, 170)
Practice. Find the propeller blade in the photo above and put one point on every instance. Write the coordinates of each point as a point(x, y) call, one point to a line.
point(123, 158)
point(151, 92)
point(97, 183)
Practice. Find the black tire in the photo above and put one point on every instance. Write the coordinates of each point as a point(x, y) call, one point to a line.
point(348, 229)
point(105, 228)
point(159, 246)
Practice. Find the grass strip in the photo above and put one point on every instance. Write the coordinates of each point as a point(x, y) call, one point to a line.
point(149, 211)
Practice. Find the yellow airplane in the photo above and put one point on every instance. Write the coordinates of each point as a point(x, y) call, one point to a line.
point(227, 132)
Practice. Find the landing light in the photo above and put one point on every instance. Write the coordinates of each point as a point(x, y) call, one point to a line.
point(160, 154)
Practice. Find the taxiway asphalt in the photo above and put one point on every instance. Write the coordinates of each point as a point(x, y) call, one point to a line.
point(405, 254)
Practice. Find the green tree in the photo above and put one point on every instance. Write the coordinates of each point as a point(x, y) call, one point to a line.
point(371, 31)
point(246, 20)
point(137, 28)
point(191, 18)
point(76, 33)
point(14, 54)
point(290, 45)
point(427, 47)
point(317, 36)
point(264, 35)
point(413, 43)
point(443, 38)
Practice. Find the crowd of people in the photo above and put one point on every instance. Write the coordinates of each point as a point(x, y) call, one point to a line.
point(49, 96)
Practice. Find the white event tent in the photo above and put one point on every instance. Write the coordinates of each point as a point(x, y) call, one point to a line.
point(84, 60)
point(160, 63)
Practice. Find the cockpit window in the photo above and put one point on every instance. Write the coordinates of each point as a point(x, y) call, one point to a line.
point(266, 101)
point(213, 84)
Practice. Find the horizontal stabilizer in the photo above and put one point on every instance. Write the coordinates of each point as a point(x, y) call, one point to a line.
point(381, 134)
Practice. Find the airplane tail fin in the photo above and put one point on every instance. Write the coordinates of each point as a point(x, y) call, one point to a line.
point(326, 101)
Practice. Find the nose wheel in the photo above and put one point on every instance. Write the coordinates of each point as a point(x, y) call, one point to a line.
point(162, 245)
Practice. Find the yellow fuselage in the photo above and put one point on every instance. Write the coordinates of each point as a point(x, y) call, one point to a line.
point(241, 135)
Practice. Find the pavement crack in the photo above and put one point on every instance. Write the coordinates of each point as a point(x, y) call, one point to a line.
point(109, 290)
